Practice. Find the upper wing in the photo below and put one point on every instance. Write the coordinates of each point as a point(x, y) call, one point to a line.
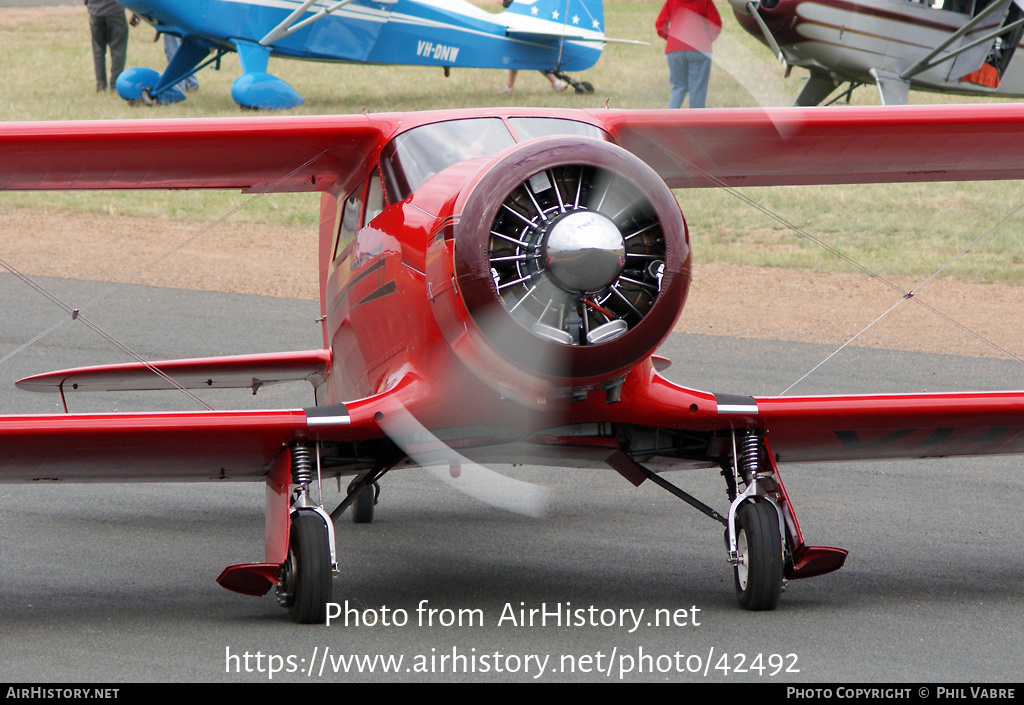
point(688, 148)
point(271, 154)
point(789, 146)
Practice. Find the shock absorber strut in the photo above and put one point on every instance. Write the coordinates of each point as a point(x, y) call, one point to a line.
point(305, 464)
point(302, 468)
point(749, 453)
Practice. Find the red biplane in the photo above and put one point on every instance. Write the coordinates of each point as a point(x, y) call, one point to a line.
point(496, 283)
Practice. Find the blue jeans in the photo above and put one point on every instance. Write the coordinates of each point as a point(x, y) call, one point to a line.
point(688, 72)
point(171, 44)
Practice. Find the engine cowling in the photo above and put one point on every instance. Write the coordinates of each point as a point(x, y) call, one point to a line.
point(564, 264)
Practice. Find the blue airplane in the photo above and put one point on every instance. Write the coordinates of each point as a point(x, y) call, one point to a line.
point(553, 36)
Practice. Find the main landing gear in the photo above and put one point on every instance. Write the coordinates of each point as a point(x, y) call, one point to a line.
point(304, 579)
point(365, 500)
point(754, 529)
point(763, 539)
point(582, 87)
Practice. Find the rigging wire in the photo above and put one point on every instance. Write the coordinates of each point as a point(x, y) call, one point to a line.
point(910, 295)
point(76, 313)
point(905, 295)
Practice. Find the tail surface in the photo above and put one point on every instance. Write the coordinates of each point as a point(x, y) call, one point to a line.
point(580, 14)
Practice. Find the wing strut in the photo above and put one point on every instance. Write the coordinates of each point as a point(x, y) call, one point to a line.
point(892, 89)
point(637, 473)
point(388, 460)
point(768, 36)
point(927, 63)
point(283, 30)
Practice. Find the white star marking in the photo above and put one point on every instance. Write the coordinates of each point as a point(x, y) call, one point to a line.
point(533, 10)
point(575, 19)
point(554, 15)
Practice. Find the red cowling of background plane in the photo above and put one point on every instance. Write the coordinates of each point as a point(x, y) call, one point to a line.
point(495, 283)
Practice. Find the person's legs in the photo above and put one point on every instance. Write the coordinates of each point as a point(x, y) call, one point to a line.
point(556, 85)
point(98, 29)
point(171, 44)
point(512, 73)
point(699, 68)
point(678, 77)
point(117, 39)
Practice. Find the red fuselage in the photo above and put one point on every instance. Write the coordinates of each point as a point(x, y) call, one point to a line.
point(412, 295)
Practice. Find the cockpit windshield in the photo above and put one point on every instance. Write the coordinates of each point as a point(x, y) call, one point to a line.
point(527, 128)
point(416, 155)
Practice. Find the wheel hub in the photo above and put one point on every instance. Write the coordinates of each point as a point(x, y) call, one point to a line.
point(741, 564)
point(286, 582)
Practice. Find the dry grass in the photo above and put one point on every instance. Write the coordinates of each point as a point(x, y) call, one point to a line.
point(895, 230)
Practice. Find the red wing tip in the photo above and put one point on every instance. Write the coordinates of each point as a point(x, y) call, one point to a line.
point(809, 561)
point(250, 578)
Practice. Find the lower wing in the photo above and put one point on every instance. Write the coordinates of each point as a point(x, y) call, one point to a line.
point(831, 428)
point(166, 446)
point(155, 446)
point(893, 425)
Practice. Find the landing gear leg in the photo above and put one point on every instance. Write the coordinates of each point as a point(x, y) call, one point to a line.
point(754, 530)
point(753, 533)
point(582, 87)
point(762, 536)
point(304, 579)
point(362, 493)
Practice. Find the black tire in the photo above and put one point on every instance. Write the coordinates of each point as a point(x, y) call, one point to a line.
point(362, 508)
point(584, 87)
point(309, 569)
point(759, 576)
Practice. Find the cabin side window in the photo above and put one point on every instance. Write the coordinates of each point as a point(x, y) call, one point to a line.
point(351, 211)
point(374, 197)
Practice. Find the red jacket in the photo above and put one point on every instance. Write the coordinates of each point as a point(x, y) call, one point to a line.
point(688, 25)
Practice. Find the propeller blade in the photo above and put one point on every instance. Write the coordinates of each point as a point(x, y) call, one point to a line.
point(472, 479)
